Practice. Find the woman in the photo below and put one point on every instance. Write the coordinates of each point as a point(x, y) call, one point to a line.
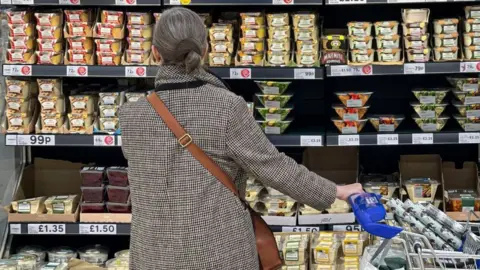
point(183, 217)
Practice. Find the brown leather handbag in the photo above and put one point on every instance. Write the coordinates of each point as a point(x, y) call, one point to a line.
point(267, 249)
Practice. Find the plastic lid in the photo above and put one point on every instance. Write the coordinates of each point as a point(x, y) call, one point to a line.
point(359, 120)
point(59, 251)
point(414, 181)
point(38, 251)
point(93, 250)
point(431, 90)
point(395, 117)
point(334, 106)
point(122, 253)
point(24, 257)
point(353, 92)
point(376, 184)
point(416, 103)
point(120, 261)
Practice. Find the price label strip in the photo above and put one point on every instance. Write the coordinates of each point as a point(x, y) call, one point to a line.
point(77, 71)
point(240, 73)
point(17, 70)
point(104, 140)
point(300, 229)
point(414, 68)
point(136, 72)
point(15, 228)
point(348, 140)
point(387, 139)
point(36, 140)
point(46, 228)
point(98, 229)
point(304, 73)
point(311, 141)
point(472, 137)
point(344, 70)
point(422, 138)
point(348, 228)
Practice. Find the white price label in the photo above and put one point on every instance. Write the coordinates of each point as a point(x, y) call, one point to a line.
point(104, 140)
point(348, 228)
point(387, 139)
point(77, 71)
point(22, 2)
point(422, 138)
point(348, 140)
point(119, 140)
point(6, 2)
point(136, 72)
point(414, 68)
point(98, 229)
point(300, 229)
point(15, 228)
point(11, 140)
point(304, 73)
point(283, 2)
point(346, 2)
point(125, 2)
point(36, 140)
point(46, 229)
point(310, 140)
point(344, 70)
point(240, 73)
point(17, 70)
point(179, 2)
point(472, 137)
point(69, 2)
point(470, 67)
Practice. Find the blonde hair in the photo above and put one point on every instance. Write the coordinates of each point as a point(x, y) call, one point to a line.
point(180, 38)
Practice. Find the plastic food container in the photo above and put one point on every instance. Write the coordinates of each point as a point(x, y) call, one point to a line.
point(352, 114)
point(349, 127)
point(446, 53)
point(274, 127)
point(430, 96)
point(416, 42)
point(273, 101)
point(339, 206)
point(445, 40)
point(418, 55)
point(359, 42)
point(118, 194)
point(386, 123)
point(117, 176)
point(468, 123)
point(8, 264)
point(468, 98)
point(276, 114)
point(464, 84)
point(38, 251)
point(122, 253)
point(96, 254)
point(25, 261)
point(462, 200)
point(386, 28)
point(354, 99)
point(471, 39)
point(472, 110)
point(388, 41)
point(471, 25)
point(119, 207)
point(389, 55)
point(92, 176)
point(471, 52)
point(61, 254)
point(93, 194)
point(352, 244)
point(386, 189)
point(117, 264)
point(421, 189)
point(445, 26)
point(430, 124)
point(295, 249)
point(362, 56)
point(92, 207)
point(428, 110)
point(360, 28)
point(325, 252)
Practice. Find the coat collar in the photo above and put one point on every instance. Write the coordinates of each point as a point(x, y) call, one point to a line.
point(177, 74)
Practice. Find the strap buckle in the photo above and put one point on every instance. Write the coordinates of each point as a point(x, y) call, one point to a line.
point(185, 140)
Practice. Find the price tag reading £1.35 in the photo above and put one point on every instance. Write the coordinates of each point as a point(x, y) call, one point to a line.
point(50, 228)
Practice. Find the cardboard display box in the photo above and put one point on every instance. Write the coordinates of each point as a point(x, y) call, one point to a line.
point(47, 178)
point(464, 178)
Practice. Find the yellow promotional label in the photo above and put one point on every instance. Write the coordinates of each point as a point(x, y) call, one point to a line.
point(185, 2)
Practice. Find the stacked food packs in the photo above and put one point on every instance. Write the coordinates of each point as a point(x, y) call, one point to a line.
point(421, 190)
point(275, 109)
point(22, 42)
point(445, 39)
point(360, 42)
point(471, 36)
point(109, 32)
point(278, 41)
point(221, 44)
point(83, 108)
point(462, 200)
point(334, 47)
point(468, 92)
point(139, 41)
point(78, 33)
point(306, 34)
point(53, 109)
point(415, 26)
point(49, 41)
point(252, 41)
point(338, 206)
point(109, 103)
point(65, 204)
point(324, 246)
point(21, 102)
point(388, 42)
point(429, 109)
point(351, 112)
point(268, 201)
point(294, 250)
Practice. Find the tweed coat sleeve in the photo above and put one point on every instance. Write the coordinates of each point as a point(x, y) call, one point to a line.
point(248, 146)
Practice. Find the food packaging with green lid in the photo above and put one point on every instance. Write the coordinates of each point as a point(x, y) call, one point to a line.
point(471, 110)
point(273, 101)
point(428, 110)
point(274, 127)
point(95, 254)
point(386, 123)
point(349, 126)
point(386, 189)
point(430, 124)
point(354, 99)
point(61, 254)
point(421, 189)
point(468, 123)
point(430, 96)
point(276, 114)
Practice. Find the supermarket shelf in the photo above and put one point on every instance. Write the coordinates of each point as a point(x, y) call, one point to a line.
point(241, 2)
point(151, 71)
point(70, 228)
point(405, 69)
point(403, 138)
point(83, 2)
point(363, 2)
point(112, 140)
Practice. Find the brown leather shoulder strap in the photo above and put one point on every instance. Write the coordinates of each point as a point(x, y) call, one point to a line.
point(186, 141)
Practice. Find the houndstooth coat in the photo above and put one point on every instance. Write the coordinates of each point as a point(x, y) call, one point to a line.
point(183, 217)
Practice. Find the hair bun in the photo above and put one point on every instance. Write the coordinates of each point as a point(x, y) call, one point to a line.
point(184, 47)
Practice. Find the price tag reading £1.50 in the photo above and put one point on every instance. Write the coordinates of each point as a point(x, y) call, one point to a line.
point(98, 229)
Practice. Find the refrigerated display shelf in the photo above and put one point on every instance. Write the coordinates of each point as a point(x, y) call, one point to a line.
point(364, 2)
point(151, 71)
point(83, 2)
point(241, 2)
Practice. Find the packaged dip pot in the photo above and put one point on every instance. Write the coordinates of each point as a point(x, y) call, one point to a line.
point(8, 264)
point(122, 253)
point(119, 263)
point(96, 254)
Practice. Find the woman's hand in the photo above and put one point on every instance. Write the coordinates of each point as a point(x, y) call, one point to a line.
point(343, 192)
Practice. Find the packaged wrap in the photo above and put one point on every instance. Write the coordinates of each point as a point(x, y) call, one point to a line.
point(29, 206)
point(61, 204)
